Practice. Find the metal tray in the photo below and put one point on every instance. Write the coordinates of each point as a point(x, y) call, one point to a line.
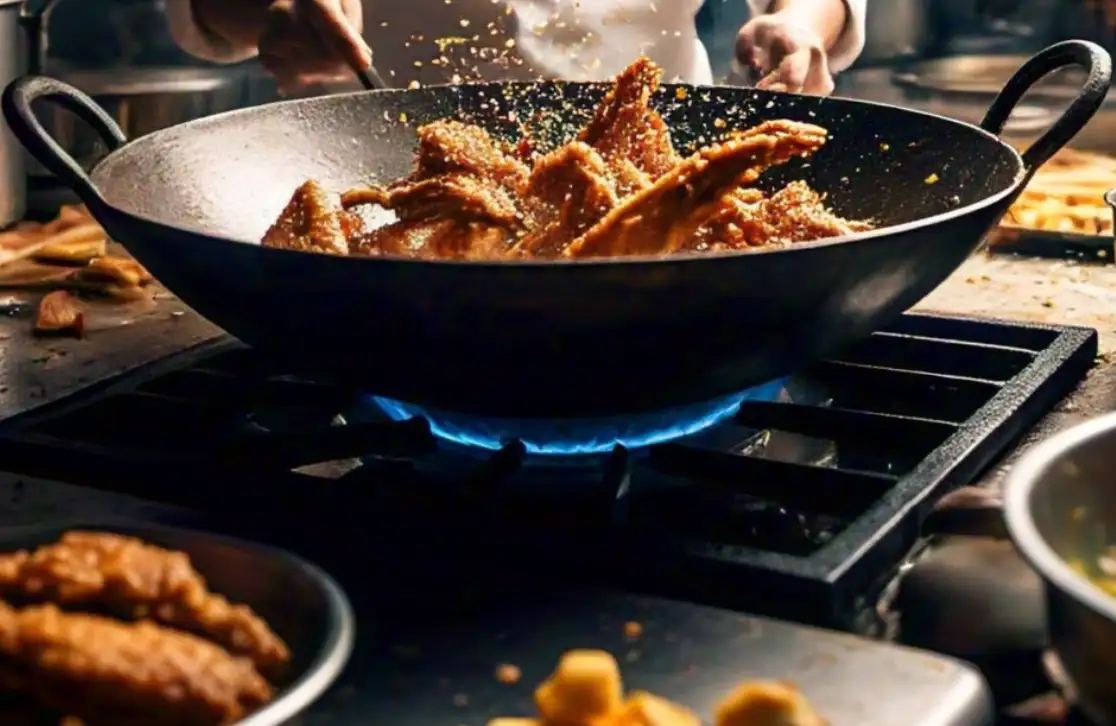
point(1012, 240)
point(303, 604)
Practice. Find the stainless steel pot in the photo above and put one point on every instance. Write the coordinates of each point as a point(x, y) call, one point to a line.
point(13, 174)
point(140, 99)
point(897, 29)
point(1060, 508)
point(961, 87)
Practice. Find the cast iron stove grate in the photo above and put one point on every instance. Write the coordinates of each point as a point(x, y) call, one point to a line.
point(726, 516)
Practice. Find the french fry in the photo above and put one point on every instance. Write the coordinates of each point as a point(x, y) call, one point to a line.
point(80, 252)
point(1067, 195)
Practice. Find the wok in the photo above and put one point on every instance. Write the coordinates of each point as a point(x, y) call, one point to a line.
point(547, 338)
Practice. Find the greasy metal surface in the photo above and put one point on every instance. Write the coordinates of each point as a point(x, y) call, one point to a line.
point(1059, 505)
point(35, 370)
point(430, 661)
point(577, 326)
point(302, 603)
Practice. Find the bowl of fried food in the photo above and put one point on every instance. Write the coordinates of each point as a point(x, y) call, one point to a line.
point(137, 625)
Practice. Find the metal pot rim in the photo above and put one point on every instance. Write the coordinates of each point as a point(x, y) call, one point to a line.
point(1019, 518)
point(128, 82)
point(6, 3)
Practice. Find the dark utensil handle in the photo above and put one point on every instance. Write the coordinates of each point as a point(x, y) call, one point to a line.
point(1090, 56)
point(17, 106)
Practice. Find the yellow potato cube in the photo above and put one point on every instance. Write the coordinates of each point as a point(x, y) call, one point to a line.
point(647, 709)
point(585, 687)
point(766, 703)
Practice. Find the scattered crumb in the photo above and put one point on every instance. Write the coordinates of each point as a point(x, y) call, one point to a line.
point(633, 630)
point(508, 674)
point(60, 313)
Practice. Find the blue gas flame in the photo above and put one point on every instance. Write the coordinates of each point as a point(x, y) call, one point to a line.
point(568, 437)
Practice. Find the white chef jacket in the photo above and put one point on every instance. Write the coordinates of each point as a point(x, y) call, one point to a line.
point(440, 41)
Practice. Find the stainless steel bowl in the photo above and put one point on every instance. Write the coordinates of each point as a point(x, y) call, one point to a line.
point(301, 602)
point(1060, 506)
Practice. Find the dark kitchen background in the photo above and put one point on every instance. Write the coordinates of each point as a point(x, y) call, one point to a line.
point(107, 33)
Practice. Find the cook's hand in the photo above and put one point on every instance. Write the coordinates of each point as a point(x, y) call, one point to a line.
point(789, 54)
point(313, 41)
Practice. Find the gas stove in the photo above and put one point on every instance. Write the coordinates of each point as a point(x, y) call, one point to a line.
point(799, 498)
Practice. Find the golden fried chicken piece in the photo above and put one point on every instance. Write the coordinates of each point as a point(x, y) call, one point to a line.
point(736, 224)
point(455, 194)
point(665, 217)
point(796, 213)
point(104, 671)
point(127, 577)
point(569, 191)
point(311, 222)
point(449, 146)
point(461, 201)
point(436, 238)
point(628, 133)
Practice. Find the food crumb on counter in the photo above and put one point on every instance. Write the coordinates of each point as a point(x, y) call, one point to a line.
point(60, 313)
point(586, 689)
point(508, 674)
point(633, 630)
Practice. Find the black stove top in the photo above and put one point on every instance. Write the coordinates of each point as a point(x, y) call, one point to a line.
point(803, 503)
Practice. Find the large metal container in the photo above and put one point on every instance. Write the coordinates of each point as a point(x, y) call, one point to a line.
point(962, 87)
point(301, 603)
point(1060, 509)
point(142, 100)
point(140, 97)
point(13, 174)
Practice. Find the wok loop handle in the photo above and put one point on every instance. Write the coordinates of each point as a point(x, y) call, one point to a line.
point(1090, 56)
point(18, 111)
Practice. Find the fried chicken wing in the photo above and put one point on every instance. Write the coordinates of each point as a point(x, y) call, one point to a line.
point(126, 577)
point(569, 191)
point(105, 671)
point(665, 217)
point(311, 222)
point(462, 201)
point(436, 238)
point(630, 135)
point(797, 213)
point(618, 188)
point(447, 146)
point(454, 194)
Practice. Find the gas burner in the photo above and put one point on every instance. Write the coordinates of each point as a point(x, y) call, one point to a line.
point(578, 437)
point(800, 498)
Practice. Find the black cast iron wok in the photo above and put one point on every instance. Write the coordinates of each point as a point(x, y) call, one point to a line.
point(550, 338)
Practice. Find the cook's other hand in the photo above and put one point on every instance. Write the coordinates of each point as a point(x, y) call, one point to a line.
point(298, 41)
point(790, 45)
